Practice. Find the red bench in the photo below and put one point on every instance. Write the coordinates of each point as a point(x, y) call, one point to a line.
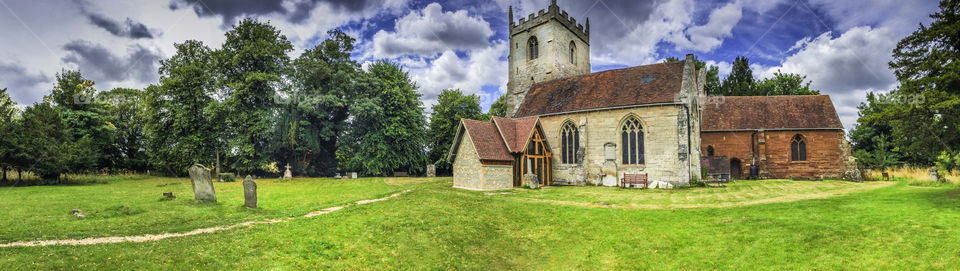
point(633, 179)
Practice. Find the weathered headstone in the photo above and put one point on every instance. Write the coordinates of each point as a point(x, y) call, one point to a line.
point(287, 174)
point(168, 195)
point(431, 170)
point(202, 185)
point(353, 175)
point(532, 181)
point(249, 192)
point(934, 176)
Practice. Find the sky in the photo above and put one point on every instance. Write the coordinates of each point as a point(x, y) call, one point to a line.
point(843, 47)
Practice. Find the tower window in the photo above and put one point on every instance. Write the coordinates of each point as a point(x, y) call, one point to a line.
point(573, 53)
point(533, 48)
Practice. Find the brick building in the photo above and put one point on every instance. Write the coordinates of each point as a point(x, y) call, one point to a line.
point(784, 136)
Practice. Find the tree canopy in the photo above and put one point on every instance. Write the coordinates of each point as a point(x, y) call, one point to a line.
point(452, 106)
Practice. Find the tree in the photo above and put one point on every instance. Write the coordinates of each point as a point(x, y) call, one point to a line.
point(315, 114)
point(784, 84)
point(499, 107)
point(49, 145)
point(8, 112)
point(740, 82)
point(84, 117)
point(180, 129)
point(388, 128)
point(713, 81)
point(126, 110)
point(451, 107)
point(250, 68)
point(927, 65)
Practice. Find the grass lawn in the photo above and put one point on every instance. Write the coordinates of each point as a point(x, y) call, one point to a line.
point(437, 227)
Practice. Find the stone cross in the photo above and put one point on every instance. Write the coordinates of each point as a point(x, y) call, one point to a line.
point(287, 174)
point(431, 170)
point(249, 192)
point(202, 185)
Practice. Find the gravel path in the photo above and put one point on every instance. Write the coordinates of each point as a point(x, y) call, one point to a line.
point(155, 237)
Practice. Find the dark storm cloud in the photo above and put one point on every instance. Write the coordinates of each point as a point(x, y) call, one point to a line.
point(23, 86)
point(230, 10)
point(127, 28)
point(99, 64)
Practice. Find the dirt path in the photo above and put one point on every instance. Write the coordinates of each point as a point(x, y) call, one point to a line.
point(785, 198)
point(155, 237)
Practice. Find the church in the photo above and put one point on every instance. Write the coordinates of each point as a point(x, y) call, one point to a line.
point(568, 126)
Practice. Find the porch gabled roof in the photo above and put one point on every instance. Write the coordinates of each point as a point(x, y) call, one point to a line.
point(495, 140)
point(516, 132)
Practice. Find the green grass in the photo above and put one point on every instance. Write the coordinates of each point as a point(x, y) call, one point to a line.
point(135, 205)
point(436, 227)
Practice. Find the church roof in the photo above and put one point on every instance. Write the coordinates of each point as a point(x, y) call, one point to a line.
point(649, 84)
point(487, 140)
point(515, 132)
point(801, 112)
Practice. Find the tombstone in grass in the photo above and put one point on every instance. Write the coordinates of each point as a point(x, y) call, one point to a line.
point(287, 175)
point(934, 175)
point(353, 175)
point(249, 192)
point(431, 170)
point(202, 185)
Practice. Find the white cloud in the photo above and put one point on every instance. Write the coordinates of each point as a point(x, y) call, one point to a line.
point(845, 67)
point(480, 68)
point(431, 31)
point(707, 37)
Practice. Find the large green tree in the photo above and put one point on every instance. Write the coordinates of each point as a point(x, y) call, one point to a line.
point(250, 67)
point(452, 106)
point(49, 146)
point(927, 64)
point(179, 126)
point(8, 137)
point(499, 107)
point(126, 112)
point(315, 114)
point(388, 128)
point(784, 84)
point(740, 82)
point(85, 116)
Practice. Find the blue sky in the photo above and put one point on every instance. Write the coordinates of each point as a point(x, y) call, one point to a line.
point(841, 46)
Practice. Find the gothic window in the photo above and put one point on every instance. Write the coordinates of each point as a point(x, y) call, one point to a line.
point(569, 143)
point(710, 150)
point(798, 149)
point(533, 48)
point(631, 142)
point(573, 53)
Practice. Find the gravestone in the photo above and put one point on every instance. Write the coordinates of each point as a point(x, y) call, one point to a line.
point(532, 181)
point(287, 175)
point(202, 185)
point(431, 170)
point(353, 175)
point(934, 175)
point(249, 192)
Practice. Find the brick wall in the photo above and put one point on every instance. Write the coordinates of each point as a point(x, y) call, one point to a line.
point(825, 155)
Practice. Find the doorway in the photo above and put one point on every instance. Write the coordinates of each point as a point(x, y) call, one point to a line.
point(736, 170)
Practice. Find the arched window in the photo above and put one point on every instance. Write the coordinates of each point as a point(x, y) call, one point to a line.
point(631, 142)
point(573, 53)
point(710, 151)
point(533, 48)
point(570, 143)
point(798, 149)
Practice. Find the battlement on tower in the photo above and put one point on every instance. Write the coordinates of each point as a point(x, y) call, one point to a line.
point(553, 12)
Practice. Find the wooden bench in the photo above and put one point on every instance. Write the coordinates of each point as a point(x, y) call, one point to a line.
point(633, 179)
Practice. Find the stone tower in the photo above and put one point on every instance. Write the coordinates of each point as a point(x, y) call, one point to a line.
point(545, 46)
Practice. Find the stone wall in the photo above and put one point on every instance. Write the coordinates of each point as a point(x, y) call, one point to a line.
point(599, 128)
point(497, 177)
point(467, 170)
point(827, 156)
point(554, 31)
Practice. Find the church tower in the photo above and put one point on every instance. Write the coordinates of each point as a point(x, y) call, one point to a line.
point(545, 46)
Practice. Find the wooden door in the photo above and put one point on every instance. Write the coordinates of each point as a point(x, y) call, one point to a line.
point(536, 160)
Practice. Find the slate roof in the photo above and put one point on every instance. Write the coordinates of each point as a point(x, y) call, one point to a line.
point(649, 84)
point(515, 132)
point(770, 113)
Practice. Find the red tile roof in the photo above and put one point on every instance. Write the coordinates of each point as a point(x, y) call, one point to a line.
point(649, 84)
point(769, 113)
point(515, 132)
point(487, 140)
